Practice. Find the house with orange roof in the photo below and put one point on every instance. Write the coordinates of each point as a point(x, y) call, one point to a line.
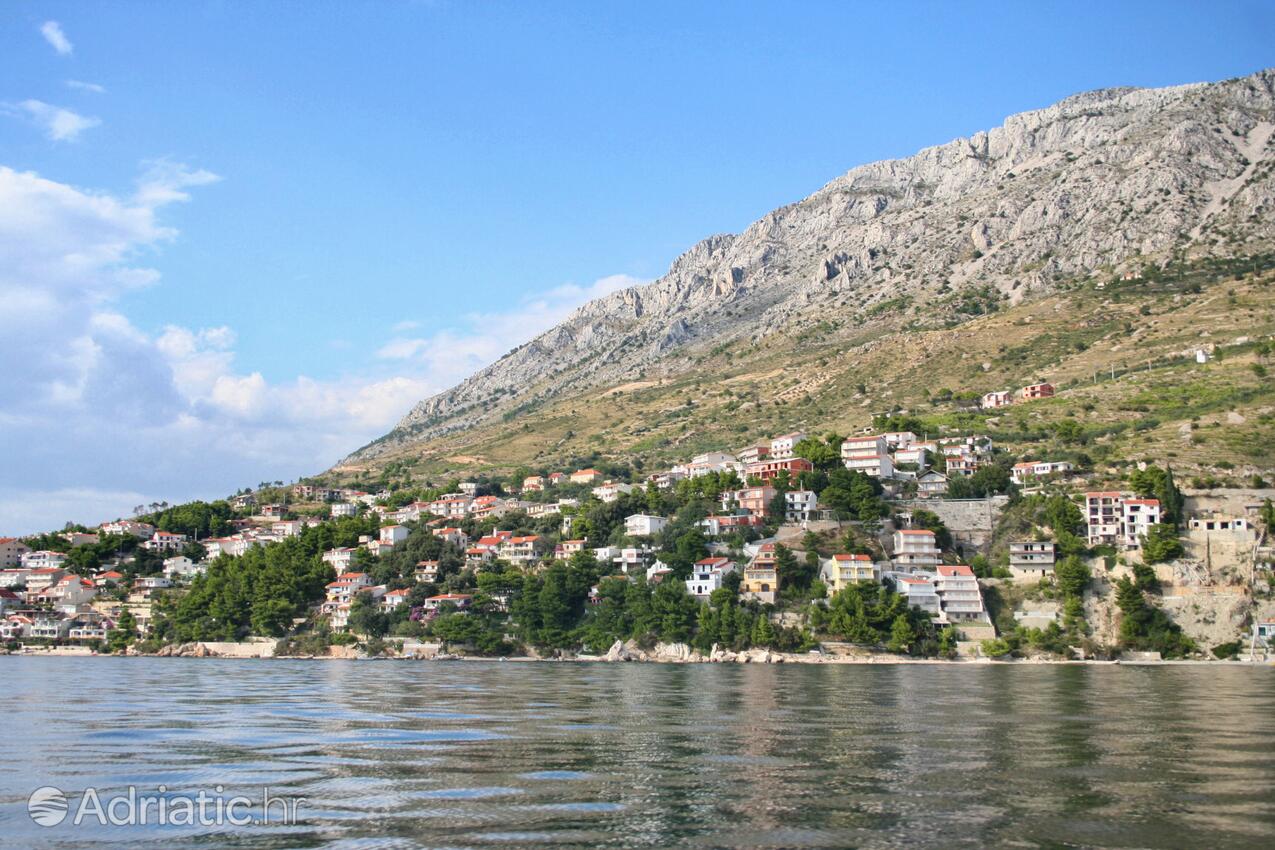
point(522, 550)
point(960, 599)
point(916, 548)
point(107, 578)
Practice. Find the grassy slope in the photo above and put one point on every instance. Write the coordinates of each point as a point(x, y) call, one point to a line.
point(810, 378)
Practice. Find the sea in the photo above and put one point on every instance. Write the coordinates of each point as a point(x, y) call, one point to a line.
point(118, 752)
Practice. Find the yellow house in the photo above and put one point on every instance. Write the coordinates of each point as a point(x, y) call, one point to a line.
point(761, 576)
point(841, 570)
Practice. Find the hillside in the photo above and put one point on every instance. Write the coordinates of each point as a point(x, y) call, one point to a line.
point(970, 266)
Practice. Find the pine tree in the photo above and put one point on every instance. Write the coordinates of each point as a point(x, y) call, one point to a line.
point(901, 634)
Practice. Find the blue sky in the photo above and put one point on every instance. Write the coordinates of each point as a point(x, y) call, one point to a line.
point(323, 211)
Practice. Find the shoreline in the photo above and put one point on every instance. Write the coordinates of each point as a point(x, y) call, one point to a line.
point(747, 657)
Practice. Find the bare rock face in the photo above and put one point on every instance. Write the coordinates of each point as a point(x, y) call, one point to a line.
point(1104, 179)
point(675, 652)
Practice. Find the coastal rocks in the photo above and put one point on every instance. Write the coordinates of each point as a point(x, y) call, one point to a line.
point(678, 653)
point(344, 652)
point(184, 650)
point(620, 651)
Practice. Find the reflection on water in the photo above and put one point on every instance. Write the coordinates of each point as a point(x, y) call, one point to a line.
point(464, 754)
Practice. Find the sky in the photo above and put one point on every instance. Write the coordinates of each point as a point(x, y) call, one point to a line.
point(239, 240)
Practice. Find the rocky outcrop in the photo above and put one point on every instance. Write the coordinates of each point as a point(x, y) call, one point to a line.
point(1102, 180)
point(184, 650)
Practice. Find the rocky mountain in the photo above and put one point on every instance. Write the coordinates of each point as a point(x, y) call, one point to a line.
point(1100, 182)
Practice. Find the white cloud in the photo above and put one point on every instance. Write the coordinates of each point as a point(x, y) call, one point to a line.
point(449, 355)
point(164, 180)
point(58, 123)
point(52, 32)
point(406, 325)
point(80, 85)
point(100, 415)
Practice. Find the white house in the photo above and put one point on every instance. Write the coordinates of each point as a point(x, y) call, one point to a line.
point(341, 558)
point(180, 566)
point(872, 445)
point(1139, 516)
point(1031, 559)
point(454, 536)
point(391, 535)
point(800, 505)
point(869, 455)
point(916, 453)
point(125, 527)
point(781, 448)
point(346, 585)
point(41, 578)
point(899, 439)
point(644, 525)
point(1028, 470)
point(707, 576)
point(165, 541)
point(959, 596)
point(631, 559)
point(14, 576)
point(70, 590)
point(42, 559)
point(287, 527)
point(1118, 520)
point(611, 490)
point(931, 484)
point(393, 599)
point(915, 548)
point(341, 509)
point(1104, 517)
point(918, 590)
point(521, 550)
point(999, 398)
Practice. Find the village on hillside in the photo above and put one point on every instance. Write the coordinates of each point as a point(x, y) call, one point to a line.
point(886, 541)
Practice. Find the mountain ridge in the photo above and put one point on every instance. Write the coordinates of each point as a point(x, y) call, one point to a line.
point(1099, 180)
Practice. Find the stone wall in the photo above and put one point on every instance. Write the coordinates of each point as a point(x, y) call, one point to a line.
point(971, 521)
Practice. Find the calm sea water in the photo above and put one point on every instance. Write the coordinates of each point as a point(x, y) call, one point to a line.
point(456, 754)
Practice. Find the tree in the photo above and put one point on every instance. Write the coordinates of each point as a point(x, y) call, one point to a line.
point(786, 566)
point(1069, 431)
point(124, 633)
point(821, 453)
point(1156, 483)
point(1145, 627)
point(1145, 578)
point(901, 634)
point(366, 617)
point(1072, 575)
point(931, 521)
point(1161, 544)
